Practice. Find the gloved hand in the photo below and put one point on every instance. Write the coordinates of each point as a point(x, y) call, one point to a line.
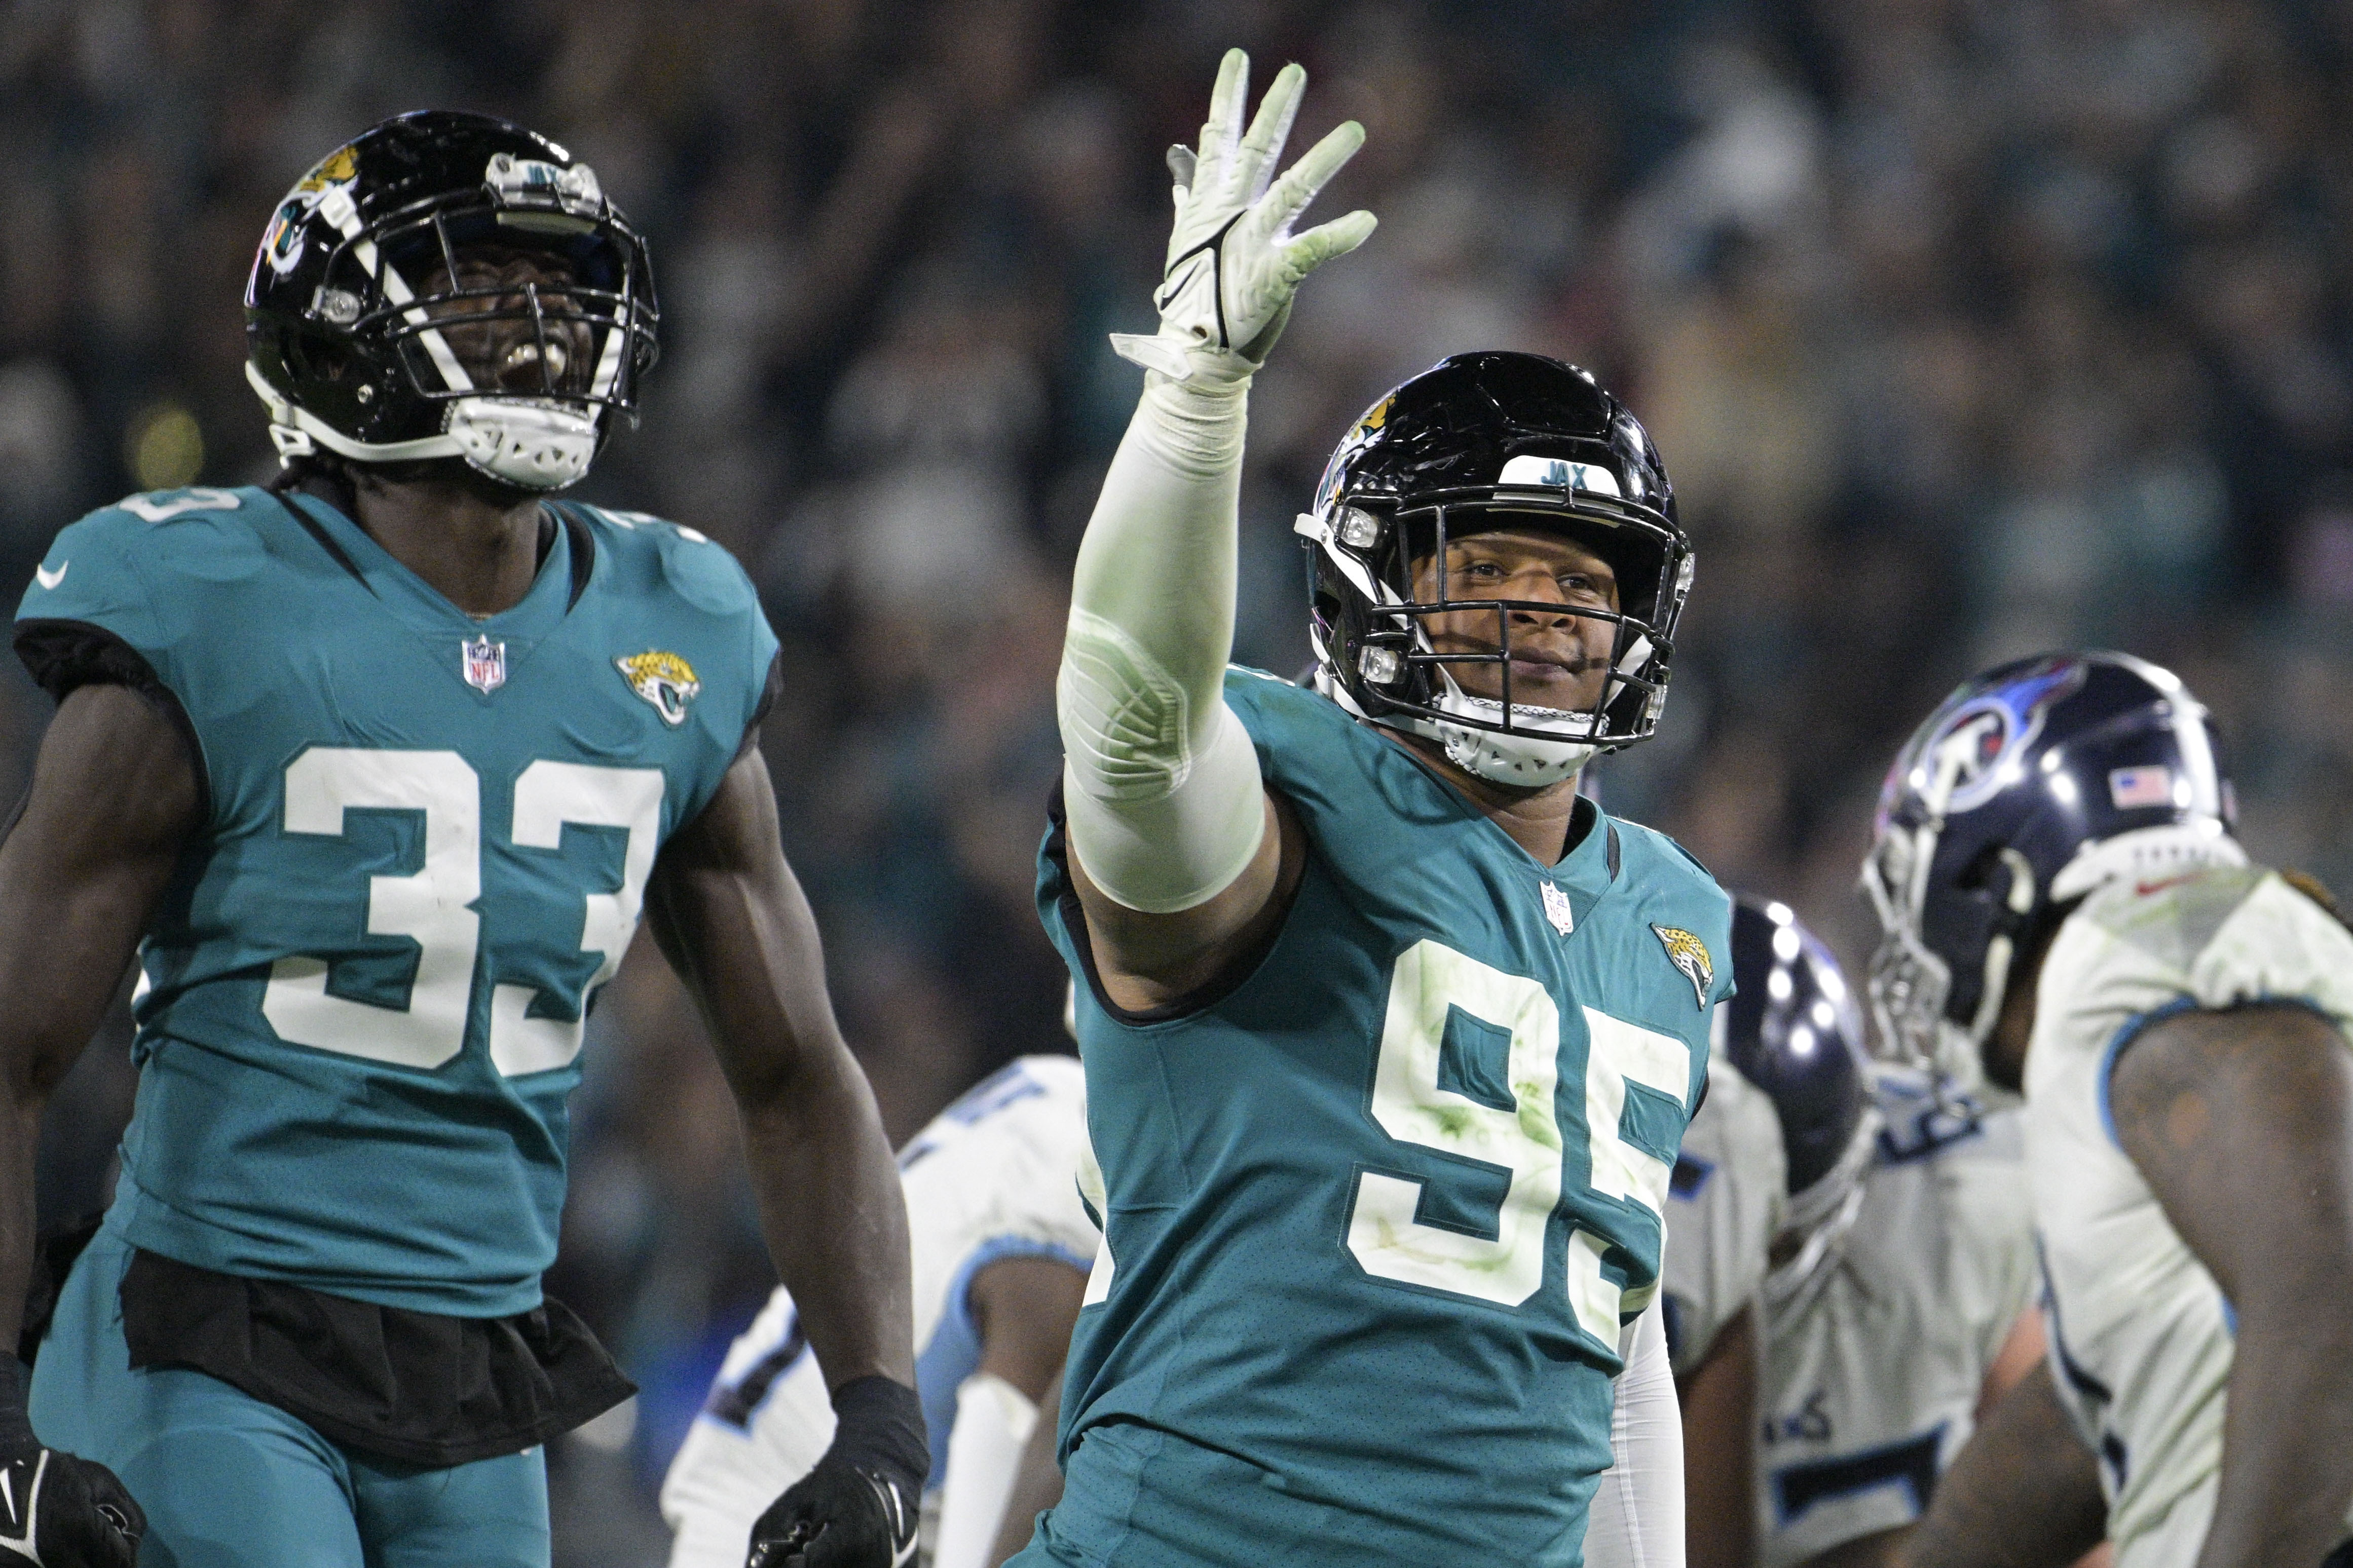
point(56, 1510)
point(1233, 262)
point(857, 1508)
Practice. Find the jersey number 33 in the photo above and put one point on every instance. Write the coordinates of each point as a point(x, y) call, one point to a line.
point(435, 906)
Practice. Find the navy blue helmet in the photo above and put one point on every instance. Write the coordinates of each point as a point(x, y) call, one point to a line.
point(1793, 1030)
point(2027, 788)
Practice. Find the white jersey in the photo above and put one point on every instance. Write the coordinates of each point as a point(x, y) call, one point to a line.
point(2140, 1335)
point(1869, 1375)
point(1725, 1201)
point(993, 1176)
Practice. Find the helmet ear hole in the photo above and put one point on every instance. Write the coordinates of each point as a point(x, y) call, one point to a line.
point(1978, 876)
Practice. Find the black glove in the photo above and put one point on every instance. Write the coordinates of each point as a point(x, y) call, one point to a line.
point(857, 1509)
point(56, 1510)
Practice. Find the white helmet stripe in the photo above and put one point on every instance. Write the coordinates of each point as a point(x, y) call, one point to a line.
point(608, 363)
point(396, 289)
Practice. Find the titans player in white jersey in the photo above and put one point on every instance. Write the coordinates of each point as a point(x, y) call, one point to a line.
point(1002, 1244)
point(2068, 912)
point(1877, 1234)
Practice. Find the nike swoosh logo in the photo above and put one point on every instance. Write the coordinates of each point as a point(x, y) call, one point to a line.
point(50, 579)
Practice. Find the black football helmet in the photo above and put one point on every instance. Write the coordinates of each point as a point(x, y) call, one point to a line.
point(1794, 1030)
point(2026, 789)
point(1480, 442)
point(376, 283)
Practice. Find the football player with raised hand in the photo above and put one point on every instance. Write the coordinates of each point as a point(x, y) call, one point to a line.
point(1851, 1275)
point(1390, 1035)
point(2069, 915)
point(375, 771)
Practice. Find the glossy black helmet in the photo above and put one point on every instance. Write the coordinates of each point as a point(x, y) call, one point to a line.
point(2026, 789)
point(1794, 1030)
point(449, 285)
point(1478, 442)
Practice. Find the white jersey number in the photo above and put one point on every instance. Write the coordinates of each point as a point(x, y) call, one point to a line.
point(434, 906)
point(1433, 988)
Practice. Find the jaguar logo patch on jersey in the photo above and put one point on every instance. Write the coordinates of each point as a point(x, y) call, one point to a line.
point(485, 663)
point(1688, 954)
point(663, 680)
point(1555, 903)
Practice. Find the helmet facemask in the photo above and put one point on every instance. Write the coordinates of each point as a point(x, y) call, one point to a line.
point(1910, 986)
point(1374, 644)
point(496, 323)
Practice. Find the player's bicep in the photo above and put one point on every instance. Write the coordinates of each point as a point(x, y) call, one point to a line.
point(114, 797)
point(2241, 1122)
point(1026, 1309)
point(1155, 960)
point(732, 918)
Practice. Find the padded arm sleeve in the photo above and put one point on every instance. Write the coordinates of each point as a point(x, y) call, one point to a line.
point(1160, 779)
point(1637, 1519)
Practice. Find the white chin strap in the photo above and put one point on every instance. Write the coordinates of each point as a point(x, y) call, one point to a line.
point(531, 442)
point(1541, 753)
point(534, 444)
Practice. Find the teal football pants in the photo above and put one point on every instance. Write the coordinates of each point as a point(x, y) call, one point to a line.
point(230, 1482)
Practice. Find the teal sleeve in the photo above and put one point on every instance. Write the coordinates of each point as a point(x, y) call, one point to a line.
point(89, 578)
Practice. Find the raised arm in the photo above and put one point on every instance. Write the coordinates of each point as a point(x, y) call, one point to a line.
point(734, 924)
point(2241, 1122)
point(114, 798)
point(1169, 824)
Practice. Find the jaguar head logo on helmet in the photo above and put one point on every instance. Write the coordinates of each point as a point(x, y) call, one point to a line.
point(1521, 692)
point(448, 286)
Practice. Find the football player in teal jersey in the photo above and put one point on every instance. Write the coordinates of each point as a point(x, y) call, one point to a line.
point(375, 770)
point(1391, 1035)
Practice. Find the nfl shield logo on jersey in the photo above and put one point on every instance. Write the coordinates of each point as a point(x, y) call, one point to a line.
point(1555, 903)
point(485, 663)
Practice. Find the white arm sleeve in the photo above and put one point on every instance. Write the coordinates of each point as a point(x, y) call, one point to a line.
point(993, 1422)
point(1637, 1519)
point(1160, 781)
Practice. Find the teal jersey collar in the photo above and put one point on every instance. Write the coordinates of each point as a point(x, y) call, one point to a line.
point(419, 605)
point(1584, 875)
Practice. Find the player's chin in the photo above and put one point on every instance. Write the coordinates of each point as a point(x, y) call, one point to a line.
point(1538, 685)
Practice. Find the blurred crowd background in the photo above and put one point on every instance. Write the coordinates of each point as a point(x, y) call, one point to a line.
point(1967, 328)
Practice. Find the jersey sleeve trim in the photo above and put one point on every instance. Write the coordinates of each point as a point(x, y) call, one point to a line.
point(63, 655)
point(2127, 1033)
point(770, 690)
point(2132, 1027)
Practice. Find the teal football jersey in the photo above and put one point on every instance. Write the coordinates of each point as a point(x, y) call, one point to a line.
point(1375, 1217)
point(426, 843)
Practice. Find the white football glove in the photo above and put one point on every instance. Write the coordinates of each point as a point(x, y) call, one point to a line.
point(1233, 262)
